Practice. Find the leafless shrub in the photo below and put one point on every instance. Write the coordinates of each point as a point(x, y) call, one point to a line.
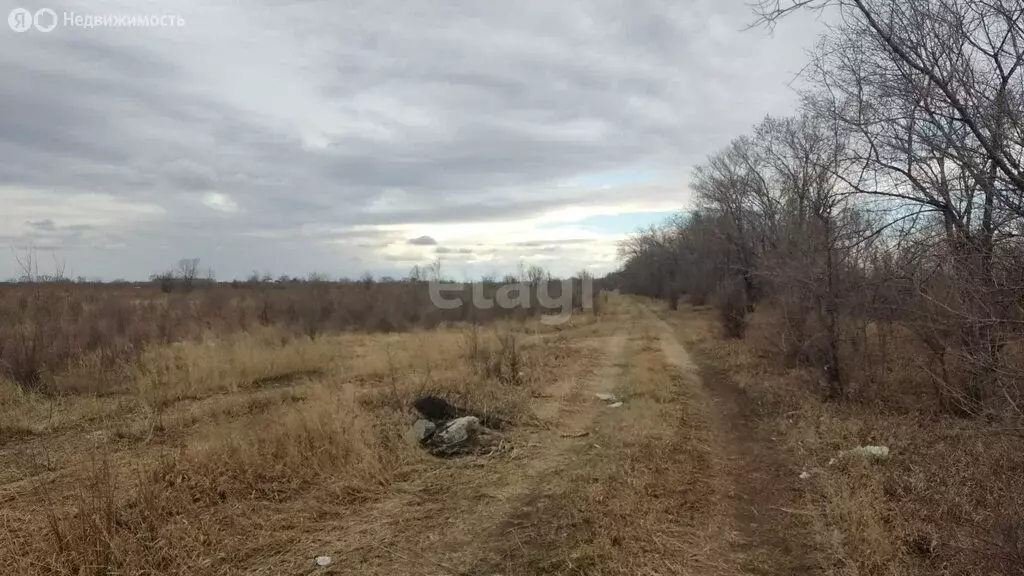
point(733, 307)
point(46, 328)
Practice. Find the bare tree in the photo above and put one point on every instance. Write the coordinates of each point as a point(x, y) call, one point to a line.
point(28, 263)
point(932, 95)
point(187, 270)
point(894, 196)
point(536, 274)
point(434, 270)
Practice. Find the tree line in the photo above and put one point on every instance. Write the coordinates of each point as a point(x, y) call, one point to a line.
point(889, 207)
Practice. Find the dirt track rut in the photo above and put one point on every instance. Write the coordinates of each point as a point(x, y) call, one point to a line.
point(677, 481)
point(759, 478)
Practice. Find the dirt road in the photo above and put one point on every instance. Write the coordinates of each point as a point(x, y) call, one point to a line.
point(673, 481)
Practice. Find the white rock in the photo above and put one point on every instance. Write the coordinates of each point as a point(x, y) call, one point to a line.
point(323, 560)
point(615, 405)
point(457, 431)
point(422, 430)
point(805, 475)
point(880, 452)
point(605, 397)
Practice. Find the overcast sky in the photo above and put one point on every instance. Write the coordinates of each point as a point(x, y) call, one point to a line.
point(293, 136)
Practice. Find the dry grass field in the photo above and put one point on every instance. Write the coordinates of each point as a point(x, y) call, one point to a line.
point(62, 337)
point(256, 451)
point(220, 454)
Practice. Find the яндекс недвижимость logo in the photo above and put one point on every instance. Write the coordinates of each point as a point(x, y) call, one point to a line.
point(47, 19)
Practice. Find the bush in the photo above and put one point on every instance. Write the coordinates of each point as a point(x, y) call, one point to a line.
point(733, 309)
point(47, 328)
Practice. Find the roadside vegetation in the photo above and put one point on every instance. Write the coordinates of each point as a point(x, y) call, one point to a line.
point(864, 264)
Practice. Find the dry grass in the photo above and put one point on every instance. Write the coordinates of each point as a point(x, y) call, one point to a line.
point(251, 453)
point(63, 338)
point(218, 454)
point(950, 498)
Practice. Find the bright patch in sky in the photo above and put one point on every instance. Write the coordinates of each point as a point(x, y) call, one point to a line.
point(220, 202)
point(626, 223)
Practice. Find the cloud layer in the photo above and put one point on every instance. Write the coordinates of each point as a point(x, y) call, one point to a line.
point(345, 137)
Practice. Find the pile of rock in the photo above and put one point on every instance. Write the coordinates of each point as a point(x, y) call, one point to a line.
point(446, 430)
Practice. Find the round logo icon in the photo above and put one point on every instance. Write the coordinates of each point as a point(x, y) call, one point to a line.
point(45, 20)
point(20, 19)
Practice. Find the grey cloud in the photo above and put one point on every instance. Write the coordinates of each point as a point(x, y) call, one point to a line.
point(422, 241)
point(187, 175)
point(368, 114)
